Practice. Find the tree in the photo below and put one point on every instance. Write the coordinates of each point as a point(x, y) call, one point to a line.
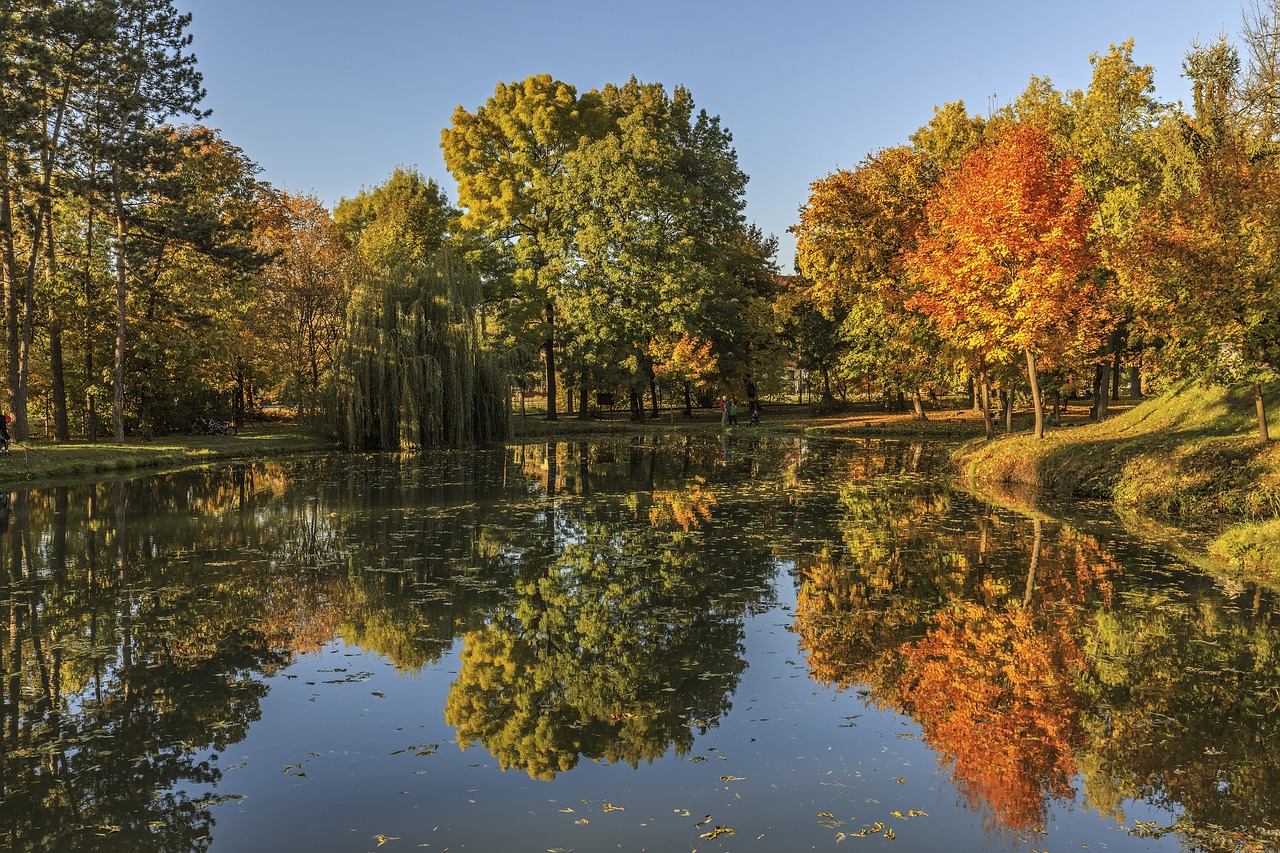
point(142, 77)
point(508, 157)
point(305, 290)
point(1002, 266)
point(1201, 264)
point(855, 233)
point(413, 371)
point(405, 219)
point(48, 51)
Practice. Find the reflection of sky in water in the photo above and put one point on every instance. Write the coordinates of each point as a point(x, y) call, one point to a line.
point(731, 619)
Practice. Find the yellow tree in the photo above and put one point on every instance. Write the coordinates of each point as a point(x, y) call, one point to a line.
point(305, 291)
point(854, 234)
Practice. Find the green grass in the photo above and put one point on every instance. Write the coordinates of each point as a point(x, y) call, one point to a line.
point(1190, 457)
point(35, 462)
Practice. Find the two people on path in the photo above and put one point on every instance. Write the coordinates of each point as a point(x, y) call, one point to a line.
point(728, 411)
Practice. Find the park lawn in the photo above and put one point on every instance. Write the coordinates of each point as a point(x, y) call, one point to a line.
point(36, 462)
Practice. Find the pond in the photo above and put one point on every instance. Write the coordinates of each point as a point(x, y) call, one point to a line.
point(656, 644)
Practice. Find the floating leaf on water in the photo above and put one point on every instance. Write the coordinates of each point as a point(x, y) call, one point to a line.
point(610, 807)
point(567, 810)
point(897, 813)
point(717, 832)
point(582, 821)
point(916, 813)
point(706, 820)
point(733, 778)
point(888, 833)
point(383, 839)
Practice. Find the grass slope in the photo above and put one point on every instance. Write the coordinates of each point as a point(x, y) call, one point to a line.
point(1190, 457)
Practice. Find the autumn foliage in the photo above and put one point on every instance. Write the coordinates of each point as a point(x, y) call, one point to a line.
point(995, 692)
point(1001, 269)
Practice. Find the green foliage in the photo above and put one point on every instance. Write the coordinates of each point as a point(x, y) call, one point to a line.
point(618, 216)
point(413, 371)
point(1188, 456)
point(403, 220)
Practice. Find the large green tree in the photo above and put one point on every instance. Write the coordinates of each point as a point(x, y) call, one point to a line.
point(508, 158)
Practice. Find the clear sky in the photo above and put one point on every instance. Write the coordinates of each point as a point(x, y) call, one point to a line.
point(329, 97)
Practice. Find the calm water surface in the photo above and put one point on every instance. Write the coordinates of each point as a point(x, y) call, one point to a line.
point(665, 645)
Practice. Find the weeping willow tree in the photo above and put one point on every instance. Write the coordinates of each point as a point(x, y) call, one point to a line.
point(415, 371)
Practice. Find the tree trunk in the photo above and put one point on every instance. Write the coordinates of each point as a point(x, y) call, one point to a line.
point(973, 394)
point(1037, 401)
point(58, 386)
point(551, 360)
point(653, 389)
point(986, 400)
point(1263, 434)
point(57, 378)
point(637, 406)
point(238, 401)
point(1103, 381)
point(1135, 382)
point(1117, 363)
point(122, 294)
point(568, 402)
point(688, 402)
point(90, 407)
point(12, 278)
point(584, 409)
point(1008, 412)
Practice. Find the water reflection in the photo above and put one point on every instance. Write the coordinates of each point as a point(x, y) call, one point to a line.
point(599, 595)
point(1035, 663)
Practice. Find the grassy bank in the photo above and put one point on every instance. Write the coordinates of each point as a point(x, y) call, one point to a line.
point(1189, 458)
point(35, 462)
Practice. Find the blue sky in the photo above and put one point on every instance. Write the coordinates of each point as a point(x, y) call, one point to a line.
point(329, 97)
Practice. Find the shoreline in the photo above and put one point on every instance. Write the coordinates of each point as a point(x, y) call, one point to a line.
point(1135, 461)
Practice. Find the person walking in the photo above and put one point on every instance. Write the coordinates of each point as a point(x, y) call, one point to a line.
point(4, 433)
point(733, 412)
point(724, 411)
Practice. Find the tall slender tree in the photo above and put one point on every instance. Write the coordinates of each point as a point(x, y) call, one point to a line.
point(143, 77)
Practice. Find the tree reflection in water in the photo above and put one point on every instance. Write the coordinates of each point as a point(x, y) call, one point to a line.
point(1007, 638)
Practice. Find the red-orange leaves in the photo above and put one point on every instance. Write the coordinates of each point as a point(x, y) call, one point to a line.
point(1002, 267)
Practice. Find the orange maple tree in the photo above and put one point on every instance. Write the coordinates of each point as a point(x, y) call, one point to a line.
point(1002, 269)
